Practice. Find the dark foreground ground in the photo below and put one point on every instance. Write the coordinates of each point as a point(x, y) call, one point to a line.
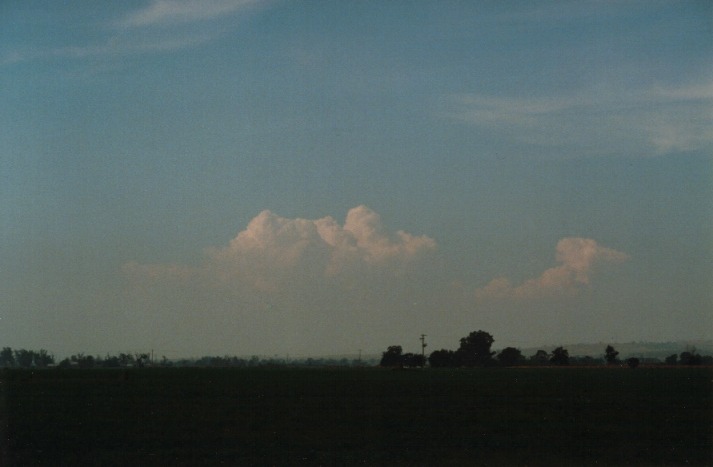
point(546, 416)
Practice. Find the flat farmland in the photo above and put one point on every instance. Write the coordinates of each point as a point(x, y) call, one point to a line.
point(365, 416)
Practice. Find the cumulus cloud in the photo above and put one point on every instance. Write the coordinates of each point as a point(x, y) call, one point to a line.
point(274, 252)
point(301, 285)
point(577, 258)
point(290, 284)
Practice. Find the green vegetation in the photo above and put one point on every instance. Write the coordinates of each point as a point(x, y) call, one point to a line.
point(372, 416)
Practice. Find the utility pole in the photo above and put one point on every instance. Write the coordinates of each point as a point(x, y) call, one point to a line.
point(423, 346)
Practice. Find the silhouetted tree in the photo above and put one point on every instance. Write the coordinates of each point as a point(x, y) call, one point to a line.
point(24, 358)
point(412, 360)
point(32, 358)
point(475, 349)
point(633, 362)
point(219, 361)
point(586, 360)
point(442, 358)
point(86, 362)
point(43, 358)
point(83, 361)
point(611, 355)
point(235, 361)
point(671, 359)
point(7, 357)
point(142, 359)
point(560, 356)
point(66, 363)
point(126, 359)
point(540, 358)
point(690, 358)
point(392, 357)
point(111, 362)
point(510, 356)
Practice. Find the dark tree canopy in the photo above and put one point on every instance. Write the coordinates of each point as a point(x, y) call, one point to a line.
point(392, 357)
point(510, 356)
point(611, 355)
point(442, 358)
point(412, 360)
point(690, 358)
point(560, 356)
point(541, 357)
point(7, 357)
point(475, 349)
point(24, 358)
point(83, 361)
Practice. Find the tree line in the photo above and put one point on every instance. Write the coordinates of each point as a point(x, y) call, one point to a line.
point(475, 351)
point(21, 358)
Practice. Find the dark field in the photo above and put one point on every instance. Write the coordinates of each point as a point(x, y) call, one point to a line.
point(528, 416)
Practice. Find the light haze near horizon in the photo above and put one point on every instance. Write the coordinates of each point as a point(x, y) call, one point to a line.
point(315, 178)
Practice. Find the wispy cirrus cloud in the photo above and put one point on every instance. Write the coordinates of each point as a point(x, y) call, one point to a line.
point(116, 46)
point(177, 12)
point(695, 92)
point(577, 257)
point(160, 26)
point(652, 121)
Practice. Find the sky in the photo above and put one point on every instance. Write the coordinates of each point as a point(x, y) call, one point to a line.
point(250, 177)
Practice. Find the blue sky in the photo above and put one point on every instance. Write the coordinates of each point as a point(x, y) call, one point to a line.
point(320, 177)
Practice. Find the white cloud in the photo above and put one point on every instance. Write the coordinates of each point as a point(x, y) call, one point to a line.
point(274, 253)
point(578, 257)
point(281, 256)
point(285, 284)
point(300, 285)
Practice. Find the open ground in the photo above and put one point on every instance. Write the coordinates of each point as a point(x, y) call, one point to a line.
point(283, 416)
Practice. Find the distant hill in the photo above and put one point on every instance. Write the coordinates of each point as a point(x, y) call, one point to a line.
point(659, 350)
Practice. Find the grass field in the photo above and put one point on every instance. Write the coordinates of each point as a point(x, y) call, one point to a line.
point(519, 416)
